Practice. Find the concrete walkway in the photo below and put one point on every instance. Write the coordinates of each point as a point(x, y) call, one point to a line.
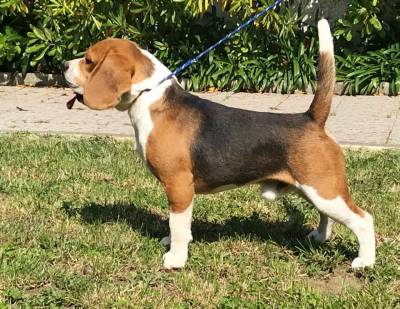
point(359, 120)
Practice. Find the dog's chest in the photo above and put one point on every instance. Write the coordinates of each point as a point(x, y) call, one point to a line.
point(142, 123)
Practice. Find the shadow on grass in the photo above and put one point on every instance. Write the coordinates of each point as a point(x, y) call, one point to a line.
point(290, 233)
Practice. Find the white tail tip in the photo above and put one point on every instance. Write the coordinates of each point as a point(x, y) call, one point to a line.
point(325, 37)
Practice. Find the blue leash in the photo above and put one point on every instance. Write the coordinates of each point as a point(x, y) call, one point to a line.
point(225, 38)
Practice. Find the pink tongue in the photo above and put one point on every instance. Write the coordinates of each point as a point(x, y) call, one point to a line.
point(71, 101)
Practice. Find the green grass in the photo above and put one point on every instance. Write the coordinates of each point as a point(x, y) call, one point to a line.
point(81, 220)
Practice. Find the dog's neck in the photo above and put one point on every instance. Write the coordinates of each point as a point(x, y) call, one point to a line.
point(142, 99)
point(159, 73)
point(150, 89)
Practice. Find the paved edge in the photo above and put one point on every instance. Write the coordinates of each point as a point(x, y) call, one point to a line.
point(57, 80)
point(131, 137)
point(32, 79)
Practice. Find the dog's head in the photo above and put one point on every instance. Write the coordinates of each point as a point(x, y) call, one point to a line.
point(103, 78)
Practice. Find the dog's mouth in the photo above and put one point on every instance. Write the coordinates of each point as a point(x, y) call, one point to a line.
point(76, 96)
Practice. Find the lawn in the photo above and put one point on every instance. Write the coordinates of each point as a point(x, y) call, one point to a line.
point(81, 220)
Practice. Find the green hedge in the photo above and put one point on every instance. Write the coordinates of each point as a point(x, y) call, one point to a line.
point(277, 53)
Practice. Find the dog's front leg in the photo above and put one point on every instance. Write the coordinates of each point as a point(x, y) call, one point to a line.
point(180, 200)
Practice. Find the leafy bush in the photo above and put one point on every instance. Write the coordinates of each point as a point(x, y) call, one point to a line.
point(278, 52)
point(10, 43)
point(368, 49)
point(368, 25)
point(363, 73)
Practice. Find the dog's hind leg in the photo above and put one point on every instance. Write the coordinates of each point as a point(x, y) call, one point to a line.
point(320, 174)
point(343, 210)
point(317, 163)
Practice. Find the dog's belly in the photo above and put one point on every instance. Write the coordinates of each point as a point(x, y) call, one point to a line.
point(226, 165)
point(223, 188)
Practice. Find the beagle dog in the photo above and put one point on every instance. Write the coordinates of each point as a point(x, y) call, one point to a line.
point(194, 145)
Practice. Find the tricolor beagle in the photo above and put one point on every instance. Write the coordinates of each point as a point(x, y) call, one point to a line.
point(197, 146)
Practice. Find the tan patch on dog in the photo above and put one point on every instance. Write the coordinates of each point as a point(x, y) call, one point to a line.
point(168, 151)
point(316, 160)
point(282, 176)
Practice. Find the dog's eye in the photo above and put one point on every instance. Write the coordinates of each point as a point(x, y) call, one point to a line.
point(88, 61)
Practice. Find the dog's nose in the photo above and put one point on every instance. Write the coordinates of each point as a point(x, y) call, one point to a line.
point(66, 65)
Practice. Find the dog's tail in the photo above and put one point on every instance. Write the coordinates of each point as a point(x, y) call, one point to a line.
point(321, 104)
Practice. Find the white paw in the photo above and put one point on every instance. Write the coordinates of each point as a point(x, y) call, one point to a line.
point(359, 263)
point(166, 241)
point(316, 236)
point(173, 260)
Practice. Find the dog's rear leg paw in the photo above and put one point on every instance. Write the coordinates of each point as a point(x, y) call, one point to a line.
point(174, 260)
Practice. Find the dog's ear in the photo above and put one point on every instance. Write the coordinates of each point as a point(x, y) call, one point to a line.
point(108, 82)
